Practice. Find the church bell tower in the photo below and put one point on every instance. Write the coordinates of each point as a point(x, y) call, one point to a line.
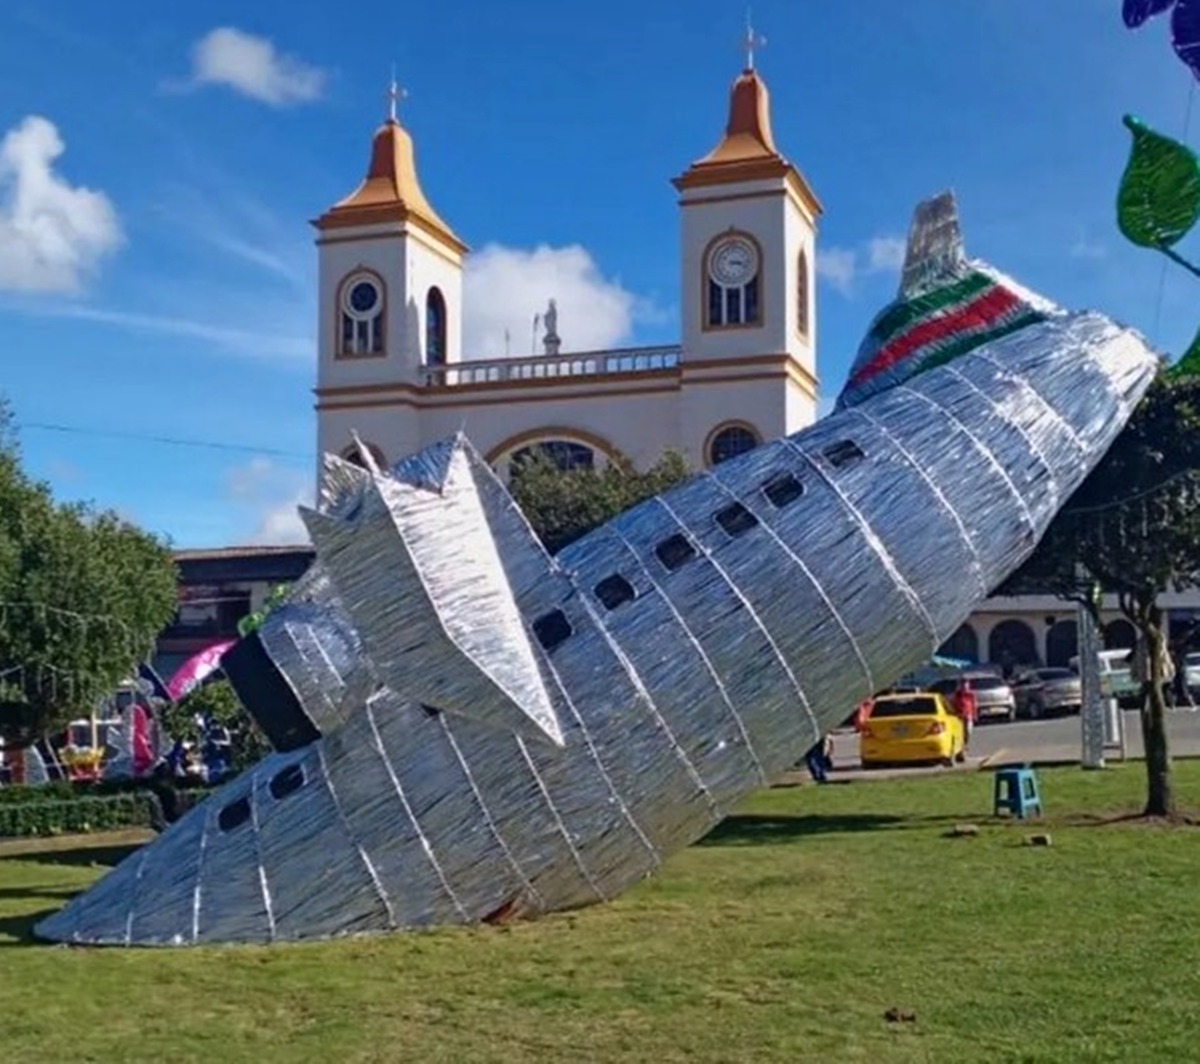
point(749, 221)
point(390, 286)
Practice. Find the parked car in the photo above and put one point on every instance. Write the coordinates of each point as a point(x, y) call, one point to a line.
point(1047, 692)
point(1116, 677)
point(994, 698)
point(1191, 669)
point(910, 728)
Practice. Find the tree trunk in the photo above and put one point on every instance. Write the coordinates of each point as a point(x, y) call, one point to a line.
point(1160, 795)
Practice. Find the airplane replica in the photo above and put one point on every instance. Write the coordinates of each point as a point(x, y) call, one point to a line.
point(469, 730)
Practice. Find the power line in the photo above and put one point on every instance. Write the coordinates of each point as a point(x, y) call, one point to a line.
point(174, 441)
point(1114, 504)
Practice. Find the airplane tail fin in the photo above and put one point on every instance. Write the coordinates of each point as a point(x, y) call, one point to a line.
point(947, 306)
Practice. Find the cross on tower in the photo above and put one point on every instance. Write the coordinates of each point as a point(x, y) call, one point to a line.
point(394, 95)
point(752, 41)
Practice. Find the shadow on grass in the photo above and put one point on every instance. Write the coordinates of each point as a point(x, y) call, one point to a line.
point(751, 829)
point(18, 930)
point(80, 857)
point(1129, 819)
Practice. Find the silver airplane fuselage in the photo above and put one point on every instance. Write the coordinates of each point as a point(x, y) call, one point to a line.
point(692, 649)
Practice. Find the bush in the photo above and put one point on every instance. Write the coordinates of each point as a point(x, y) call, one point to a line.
point(79, 814)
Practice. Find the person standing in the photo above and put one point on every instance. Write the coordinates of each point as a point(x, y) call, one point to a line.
point(862, 713)
point(817, 760)
point(966, 707)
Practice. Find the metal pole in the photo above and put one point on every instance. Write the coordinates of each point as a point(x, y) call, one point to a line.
point(1091, 710)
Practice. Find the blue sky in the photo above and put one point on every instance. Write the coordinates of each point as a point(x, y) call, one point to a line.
point(172, 297)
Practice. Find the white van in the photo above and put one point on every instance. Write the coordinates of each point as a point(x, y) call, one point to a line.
point(1116, 676)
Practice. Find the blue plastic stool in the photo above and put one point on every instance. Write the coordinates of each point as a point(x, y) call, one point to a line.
point(1016, 791)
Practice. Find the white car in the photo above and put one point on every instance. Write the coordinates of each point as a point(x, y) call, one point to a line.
point(1191, 672)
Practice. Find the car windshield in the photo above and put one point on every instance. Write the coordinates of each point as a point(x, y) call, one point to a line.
point(1192, 659)
point(1056, 674)
point(904, 707)
point(986, 683)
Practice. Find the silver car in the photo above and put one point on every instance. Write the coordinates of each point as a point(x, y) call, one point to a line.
point(1048, 692)
point(994, 698)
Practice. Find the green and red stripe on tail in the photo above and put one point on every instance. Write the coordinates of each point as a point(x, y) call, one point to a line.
point(947, 307)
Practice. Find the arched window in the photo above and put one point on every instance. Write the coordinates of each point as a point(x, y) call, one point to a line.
point(963, 645)
point(732, 268)
point(1062, 643)
point(802, 293)
point(729, 442)
point(1011, 644)
point(565, 454)
point(1119, 635)
point(361, 312)
point(435, 328)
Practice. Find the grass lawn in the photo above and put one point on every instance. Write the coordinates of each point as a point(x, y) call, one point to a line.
point(786, 935)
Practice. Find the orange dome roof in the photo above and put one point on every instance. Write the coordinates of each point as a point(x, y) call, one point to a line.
point(747, 151)
point(390, 192)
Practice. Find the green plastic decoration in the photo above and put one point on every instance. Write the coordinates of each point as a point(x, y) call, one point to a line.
point(1189, 364)
point(1159, 199)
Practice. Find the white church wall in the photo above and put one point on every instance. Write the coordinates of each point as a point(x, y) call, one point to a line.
point(339, 258)
point(638, 425)
point(706, 407)
point(762, 216)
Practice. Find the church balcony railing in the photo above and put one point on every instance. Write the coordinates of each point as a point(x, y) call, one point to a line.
point(554, 367)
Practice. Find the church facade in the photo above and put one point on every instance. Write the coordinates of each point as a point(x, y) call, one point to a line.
point(392, 370)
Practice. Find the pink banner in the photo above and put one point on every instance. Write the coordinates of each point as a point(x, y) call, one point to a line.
point(196, 669)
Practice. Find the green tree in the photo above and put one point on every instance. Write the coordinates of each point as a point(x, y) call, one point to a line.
point(83, 594)
point(1133, 528)
point(564, 505)
point(216, 701)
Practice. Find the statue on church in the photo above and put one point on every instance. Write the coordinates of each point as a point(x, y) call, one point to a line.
point(551, 341)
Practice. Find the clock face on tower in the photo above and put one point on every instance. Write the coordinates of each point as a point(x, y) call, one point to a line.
point(733, 262)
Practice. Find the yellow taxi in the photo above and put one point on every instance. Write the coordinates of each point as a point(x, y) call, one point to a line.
point(908, 728)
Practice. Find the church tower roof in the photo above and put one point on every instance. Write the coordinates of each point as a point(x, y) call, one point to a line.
point(747, 151)
point(390, 192)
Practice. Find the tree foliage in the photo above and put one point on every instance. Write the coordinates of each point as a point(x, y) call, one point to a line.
point(216, 702)
point(83, 594)
point(564, 505)
point(1133, 528)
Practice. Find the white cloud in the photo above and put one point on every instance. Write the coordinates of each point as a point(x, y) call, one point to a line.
point(267, 343)
point(885, 254)
point(1085, 248)
point(838, 266)
point(251, 65)
point(270, 494)
point(505, 288)
point(842, 267)
point(52, 234)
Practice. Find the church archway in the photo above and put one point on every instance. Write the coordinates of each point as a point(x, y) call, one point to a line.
point(566, 454)
point(500, 456)
point(1011, 644)
point(1119, 635)
point(1062, 643)
point(963, 644)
